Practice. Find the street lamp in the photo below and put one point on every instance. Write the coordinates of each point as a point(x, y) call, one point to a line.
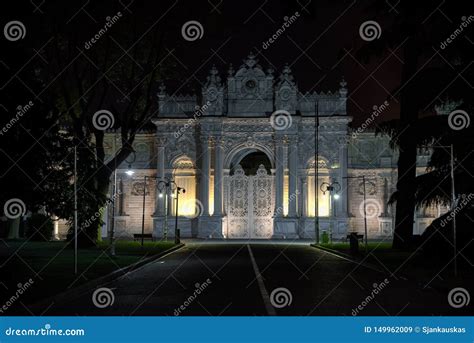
point(170, 186)
point(114, 196)
point(333, 187)
point(143, 207)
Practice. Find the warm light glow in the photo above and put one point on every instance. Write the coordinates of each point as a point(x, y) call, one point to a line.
point(185, 178)
point(285, 194)
point(323, 199)
point(211, 195)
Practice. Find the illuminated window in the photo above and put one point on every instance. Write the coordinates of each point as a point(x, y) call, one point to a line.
point(323, 199)
point(185, 177)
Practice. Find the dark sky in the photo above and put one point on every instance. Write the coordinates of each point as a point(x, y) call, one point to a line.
point(320, 46)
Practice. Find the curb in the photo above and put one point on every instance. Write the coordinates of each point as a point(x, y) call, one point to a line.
point(348, 258)
point(79, 290)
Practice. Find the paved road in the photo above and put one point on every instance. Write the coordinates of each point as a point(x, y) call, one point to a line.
point(242, 278)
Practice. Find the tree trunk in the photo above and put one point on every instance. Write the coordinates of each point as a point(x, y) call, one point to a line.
point(405, 208)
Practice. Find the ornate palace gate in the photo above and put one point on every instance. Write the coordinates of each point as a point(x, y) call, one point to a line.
point(250, 204)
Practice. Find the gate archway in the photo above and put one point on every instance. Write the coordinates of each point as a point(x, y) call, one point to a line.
point(250, 198)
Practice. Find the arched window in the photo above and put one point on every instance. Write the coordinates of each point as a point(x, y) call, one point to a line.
point(184, 175)
point(323, 199)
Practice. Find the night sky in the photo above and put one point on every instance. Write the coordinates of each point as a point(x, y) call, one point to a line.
point(321, 45)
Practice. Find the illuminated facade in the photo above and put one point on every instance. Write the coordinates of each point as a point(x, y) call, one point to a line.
point(244, 151)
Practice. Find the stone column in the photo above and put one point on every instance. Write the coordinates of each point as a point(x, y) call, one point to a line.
point(160, 174)
point(218, 176)
point(293, 176)
point(304, 196)
point(279, 176)
point(205, 169)
point(343, 181)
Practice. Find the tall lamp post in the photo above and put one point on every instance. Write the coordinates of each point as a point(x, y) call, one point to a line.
point(333, 187)
point(129, 172)
point(170, 186)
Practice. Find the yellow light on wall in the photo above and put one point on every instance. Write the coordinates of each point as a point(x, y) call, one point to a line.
point(211, 195)
point(286, 188)
point(323, 199)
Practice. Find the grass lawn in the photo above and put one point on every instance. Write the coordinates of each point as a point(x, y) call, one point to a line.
point(413, 265)
point(51, 264)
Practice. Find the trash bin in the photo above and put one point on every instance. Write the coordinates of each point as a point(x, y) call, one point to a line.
point(354, 243)
point(325, 237)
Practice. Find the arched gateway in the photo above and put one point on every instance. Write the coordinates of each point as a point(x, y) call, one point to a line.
point(248, 146)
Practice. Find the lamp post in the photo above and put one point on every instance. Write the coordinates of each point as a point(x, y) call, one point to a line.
point(333, 187)
point(170, 186)
point(129, 172)
point(365, 206)
point(177, 233)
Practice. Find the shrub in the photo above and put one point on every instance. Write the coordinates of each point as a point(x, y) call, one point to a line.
point(40, 227)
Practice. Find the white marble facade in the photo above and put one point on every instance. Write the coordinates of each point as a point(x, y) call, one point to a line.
point(201, 141)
